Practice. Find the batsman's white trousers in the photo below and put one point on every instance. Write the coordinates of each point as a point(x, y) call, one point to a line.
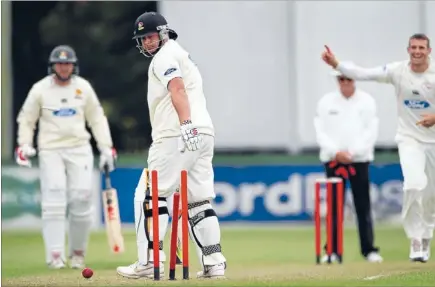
point(68, 171)
point(66, 181)
point(417, 161)
point(165, 157)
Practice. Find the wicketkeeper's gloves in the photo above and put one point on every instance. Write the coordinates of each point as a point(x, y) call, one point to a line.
point(22, 155)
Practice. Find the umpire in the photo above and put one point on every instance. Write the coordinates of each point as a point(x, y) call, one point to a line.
point(346, 129)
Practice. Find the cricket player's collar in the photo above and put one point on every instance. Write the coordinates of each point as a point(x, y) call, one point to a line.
point(53, 83)
point(429, 66)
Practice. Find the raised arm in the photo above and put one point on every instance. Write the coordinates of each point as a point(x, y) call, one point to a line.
point(383, 74)
point(378, 74)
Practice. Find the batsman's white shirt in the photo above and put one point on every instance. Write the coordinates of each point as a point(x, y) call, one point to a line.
point(62, 112)
point(65, 157)
point(415, 94)
point(173, 61)
point(168, 156)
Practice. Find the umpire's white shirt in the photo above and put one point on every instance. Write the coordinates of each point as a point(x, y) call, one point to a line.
point(346, 124)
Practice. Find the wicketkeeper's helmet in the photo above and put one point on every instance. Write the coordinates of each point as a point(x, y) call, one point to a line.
point(62, 54)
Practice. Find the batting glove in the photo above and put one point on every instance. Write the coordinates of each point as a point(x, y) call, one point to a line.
point(108, 157)
point(22, 155)
point(192, 139)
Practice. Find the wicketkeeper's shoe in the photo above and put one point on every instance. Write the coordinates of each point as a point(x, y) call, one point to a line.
point(57, 263)
point(137, 270)
point(426, 249)
point(416, 251)
point(77, 262)
point(212, 272)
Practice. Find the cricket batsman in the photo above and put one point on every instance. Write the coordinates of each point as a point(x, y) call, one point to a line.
point(183, 138)
point(63, 102)
point(414, 83)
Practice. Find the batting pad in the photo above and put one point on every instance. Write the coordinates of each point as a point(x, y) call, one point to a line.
point(206, 232)
point(148, 225)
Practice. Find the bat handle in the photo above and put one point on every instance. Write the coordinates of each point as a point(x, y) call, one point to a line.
point(106, 170)
point(107, 176)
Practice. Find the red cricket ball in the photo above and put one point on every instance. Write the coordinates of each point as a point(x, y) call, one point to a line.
point(87, 273)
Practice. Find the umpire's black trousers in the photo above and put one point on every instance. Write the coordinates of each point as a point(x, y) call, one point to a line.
point(360, 185)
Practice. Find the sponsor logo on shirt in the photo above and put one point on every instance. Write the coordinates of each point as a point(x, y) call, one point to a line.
point(428, 85)
point(67, 112)
point(78, 94)
point(170, 71)
point(416, 104)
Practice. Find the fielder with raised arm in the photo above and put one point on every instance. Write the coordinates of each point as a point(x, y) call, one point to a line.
point(414, 82)
point(63, 102)
point(183, 138)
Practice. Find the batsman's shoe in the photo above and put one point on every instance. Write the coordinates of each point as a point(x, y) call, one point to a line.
point(416, 251)
point(57, 263)
point(212, 272)
point(374, 257)
point(426, 249)
point(77, 262)
point(137, 270)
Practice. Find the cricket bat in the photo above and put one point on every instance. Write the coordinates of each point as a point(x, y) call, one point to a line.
point(111, 215)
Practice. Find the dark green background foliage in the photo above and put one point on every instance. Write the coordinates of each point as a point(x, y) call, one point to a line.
point(101, 33)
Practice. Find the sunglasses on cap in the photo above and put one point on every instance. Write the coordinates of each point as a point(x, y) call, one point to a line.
point(342, 79)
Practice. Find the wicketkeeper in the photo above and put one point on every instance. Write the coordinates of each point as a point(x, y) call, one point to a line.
point(63, 103)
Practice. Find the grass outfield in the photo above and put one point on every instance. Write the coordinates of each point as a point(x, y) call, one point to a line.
point(140, 159)
point(271, 256)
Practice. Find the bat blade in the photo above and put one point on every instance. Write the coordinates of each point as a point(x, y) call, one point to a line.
point(113, 221)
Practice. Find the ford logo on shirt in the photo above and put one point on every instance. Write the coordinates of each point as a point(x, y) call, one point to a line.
point(416, 104)
point(67, 112)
